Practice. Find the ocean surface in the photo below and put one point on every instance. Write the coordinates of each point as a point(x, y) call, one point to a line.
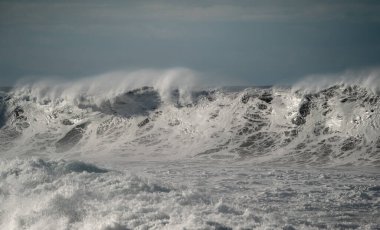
point(96, 155)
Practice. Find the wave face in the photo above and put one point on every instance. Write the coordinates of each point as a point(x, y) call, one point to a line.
point(333, 125)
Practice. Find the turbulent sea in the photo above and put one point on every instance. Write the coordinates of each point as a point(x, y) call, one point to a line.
point(95, 155)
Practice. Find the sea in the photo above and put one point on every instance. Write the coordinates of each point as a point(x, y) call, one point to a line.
point(114, 154)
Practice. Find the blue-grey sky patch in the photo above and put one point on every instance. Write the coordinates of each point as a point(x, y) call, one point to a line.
point(254, 42)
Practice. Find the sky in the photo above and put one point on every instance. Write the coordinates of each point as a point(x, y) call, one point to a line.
point(236, 42)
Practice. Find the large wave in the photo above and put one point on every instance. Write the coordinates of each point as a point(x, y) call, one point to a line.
point(162, 115)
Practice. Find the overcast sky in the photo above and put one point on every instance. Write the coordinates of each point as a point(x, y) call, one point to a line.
point(257, 42)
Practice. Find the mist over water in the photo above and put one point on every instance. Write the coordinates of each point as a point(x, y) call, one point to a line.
point(110, 85)
point(156, 149)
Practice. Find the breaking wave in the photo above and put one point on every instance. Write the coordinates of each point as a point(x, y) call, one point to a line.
point(153, 150)
point(152, 115)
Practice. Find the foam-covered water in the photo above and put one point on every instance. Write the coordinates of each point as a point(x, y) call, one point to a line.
point(37, 194)
point(151, 154)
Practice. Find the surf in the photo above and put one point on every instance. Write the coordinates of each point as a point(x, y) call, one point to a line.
point(165, 115)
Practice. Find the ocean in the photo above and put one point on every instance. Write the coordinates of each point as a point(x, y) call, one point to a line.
point(93, 155)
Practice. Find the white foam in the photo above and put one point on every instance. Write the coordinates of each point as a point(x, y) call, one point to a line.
point(37, 194)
